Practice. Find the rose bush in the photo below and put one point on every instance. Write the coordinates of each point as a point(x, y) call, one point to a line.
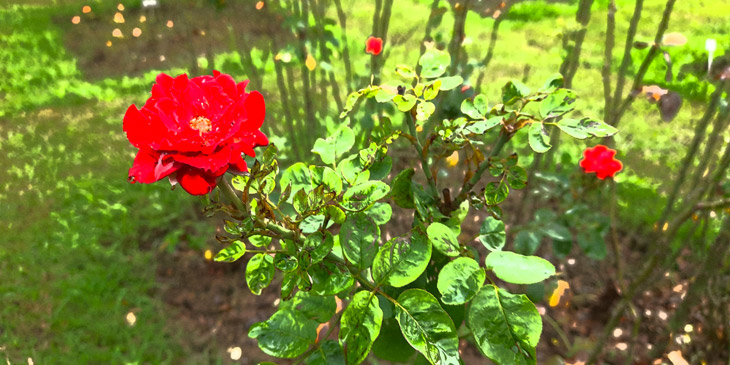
point(194, 130)
point(600, 159)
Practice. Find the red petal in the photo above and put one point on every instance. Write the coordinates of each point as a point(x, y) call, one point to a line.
point(195, 181)
point(143, 167)
point(141, 131)
point(255, 110)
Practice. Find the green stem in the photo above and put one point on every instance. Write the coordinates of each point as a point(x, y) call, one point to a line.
point(227, 190)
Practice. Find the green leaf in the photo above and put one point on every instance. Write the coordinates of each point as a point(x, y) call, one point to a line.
point(259, 272)
point(527, 242)
point(405, 71)
point(381, 168)
point(433, 63)
point(443, 239)
point(506, 327)
point(285, 263)
point(557, 231)
point(476, 108)
point(424, 110)
point(517, 177)
point(329, 278)
point(492, 234)
point(328, 353)
point(298, 176)
point(319, 245)
point(335, 146)
point(427, 327)
point(231, 253)
point(514, 90)
point(259, 241)
point(496, 192)
point(401, 261)
point(404, 102)
point(518, 269)
point(350, 102)
point(557, 103)
point(361, 196)
point(402, 190)
point(553, 83)
point(538, 138)
point(351, 168)
point(432, 90)
point(360, 238)
point(336, 214)
point(481, 126)
point(586, 127)
point(360, 326)
point(385, 95)
point(380, 213)
point(460, 280)
point(287, 334)
point(450, 82)
point(592, 243)
point(322, 175)
point(317, 307)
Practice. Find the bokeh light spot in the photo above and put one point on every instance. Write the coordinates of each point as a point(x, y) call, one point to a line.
point(259, 5)
point(86, 9)
point(131, 318)
point(170, 24)
point(116, 33)
point(118, 18)
point(76, 19)
point(136, 32)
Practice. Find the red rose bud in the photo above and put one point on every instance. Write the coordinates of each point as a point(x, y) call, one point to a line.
point(600, 159)
point(374, 45)
point(194, 130)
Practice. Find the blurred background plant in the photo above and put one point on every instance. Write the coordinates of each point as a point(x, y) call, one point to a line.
point(71, 270)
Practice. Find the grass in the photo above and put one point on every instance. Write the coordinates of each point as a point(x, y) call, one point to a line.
point(70, 225)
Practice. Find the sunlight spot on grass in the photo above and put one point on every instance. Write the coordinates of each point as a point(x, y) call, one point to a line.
point(665, 226)
point(120, 7)
point(118, 18)
point(674, 39)
point(162, 58)
point(647, 313)
point(662, 315)
point(676, 358)
point(208, 255)
point(170, 24)
point(259, 5)
point(618, 332)
point(235, 353)
point(283, 57)
point(571, 262)
point(276, 302)
point(136, 32)
point(688, 328)
point(142, 19)
point(622, 346)
point(76, 19)
point(131, 318)
point(116, 33)
point(713, 214)
point(678, 288)
point(86, 9)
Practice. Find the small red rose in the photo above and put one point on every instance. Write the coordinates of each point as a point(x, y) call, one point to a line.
point(194, 130)
point(600, 159)
point(374, 45)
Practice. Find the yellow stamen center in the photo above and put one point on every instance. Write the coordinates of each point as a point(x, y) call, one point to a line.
point(201, 124)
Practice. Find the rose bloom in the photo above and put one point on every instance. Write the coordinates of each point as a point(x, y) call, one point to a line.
point(194, 130)
point(600, 159)
point(374, 45)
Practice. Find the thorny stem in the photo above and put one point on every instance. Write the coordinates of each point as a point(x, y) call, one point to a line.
point(614, 237)
point(653, 51)
point(466, 188)
point(419, 149)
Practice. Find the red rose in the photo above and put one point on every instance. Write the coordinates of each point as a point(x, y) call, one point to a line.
point(374, 45)
point(194, 130)
point(600, 159)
